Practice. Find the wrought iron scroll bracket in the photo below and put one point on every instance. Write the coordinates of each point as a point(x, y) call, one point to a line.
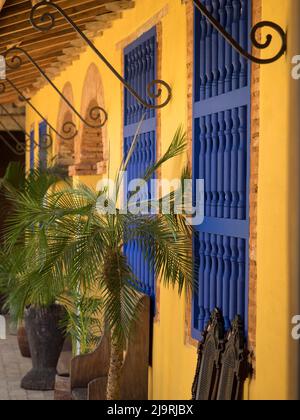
point(27, 100)
point(20, 148)
point(46, 22)
point(14, 61)
point(48, 143)
point(257, 44)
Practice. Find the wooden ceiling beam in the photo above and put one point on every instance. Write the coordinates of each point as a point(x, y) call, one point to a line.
point(17, 7)
point(56, 49)
point(72, 9)
point(22, 30)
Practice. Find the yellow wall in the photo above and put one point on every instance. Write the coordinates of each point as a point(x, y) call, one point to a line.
point(278, 217)
point(173, 361)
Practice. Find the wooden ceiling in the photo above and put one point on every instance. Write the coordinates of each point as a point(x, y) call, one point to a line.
point(56, 49)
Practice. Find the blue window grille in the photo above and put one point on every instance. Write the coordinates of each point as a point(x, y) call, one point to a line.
point(31, 150)
point(221, 145)
point(140, 70)
point(43, 151)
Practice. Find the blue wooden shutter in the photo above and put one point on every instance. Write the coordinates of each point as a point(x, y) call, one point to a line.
point(31, 150)
point(221, 144)
point(140, 70)
point(43, 151)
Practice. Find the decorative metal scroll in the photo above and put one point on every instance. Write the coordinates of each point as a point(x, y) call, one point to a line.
point(18, 150)
point(47, 144)
point(23, 98)
point(254, 39)
point(16, 147)
point(14, 61)
point(46, 22)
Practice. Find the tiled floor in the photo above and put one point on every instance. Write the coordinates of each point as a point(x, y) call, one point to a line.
point(12, 368)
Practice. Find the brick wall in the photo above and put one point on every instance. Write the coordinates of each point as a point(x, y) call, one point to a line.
point(254, 155)
point(91, 152)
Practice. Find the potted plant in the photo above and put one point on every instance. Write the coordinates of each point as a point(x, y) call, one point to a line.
point(28, 296)
point(89, 248)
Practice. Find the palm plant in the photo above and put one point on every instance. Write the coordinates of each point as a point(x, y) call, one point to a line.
point(21, 260)
point(26, 247)
point(83, 322)
point(85, 246)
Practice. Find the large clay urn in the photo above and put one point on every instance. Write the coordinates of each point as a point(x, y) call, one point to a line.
point(46, 339)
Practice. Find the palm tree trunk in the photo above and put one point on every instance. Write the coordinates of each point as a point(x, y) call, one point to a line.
point(114, 374)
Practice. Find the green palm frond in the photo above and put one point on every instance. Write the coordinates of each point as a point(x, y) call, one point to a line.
point(83, 320)
point(72, 247)
point(176, 148)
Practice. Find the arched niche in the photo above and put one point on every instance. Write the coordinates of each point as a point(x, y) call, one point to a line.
point(91, 153)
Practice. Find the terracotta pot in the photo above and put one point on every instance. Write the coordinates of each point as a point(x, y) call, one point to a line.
point(23, 342)
point(46, 339)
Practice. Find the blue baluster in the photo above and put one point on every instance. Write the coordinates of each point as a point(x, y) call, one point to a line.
point(140, 53)
point(203, 26)
point(208, 55)
point(226, 280)
point(220, 166)
point(213, 273)
point(144, 74)
point(220, 271)
point(132, 102)
point(201, 282)
point(136, 84)
point(241, 278)
point(148, 73)
point(208, 164)
point(214, 165)
point(153, 69)
point(234, 164)
point(221, 50)
point(127, 77)
point(197, 36)
point(215, 44)
point(244, 42)
point(233, 279)
point(138, 81)
point(207, 254)
point(242, 163)
point(236, 4)
point(147, 159)
point(150, 50)
point(127, 95)
point(227, 164)
point(202, 151)
point(228, 48)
